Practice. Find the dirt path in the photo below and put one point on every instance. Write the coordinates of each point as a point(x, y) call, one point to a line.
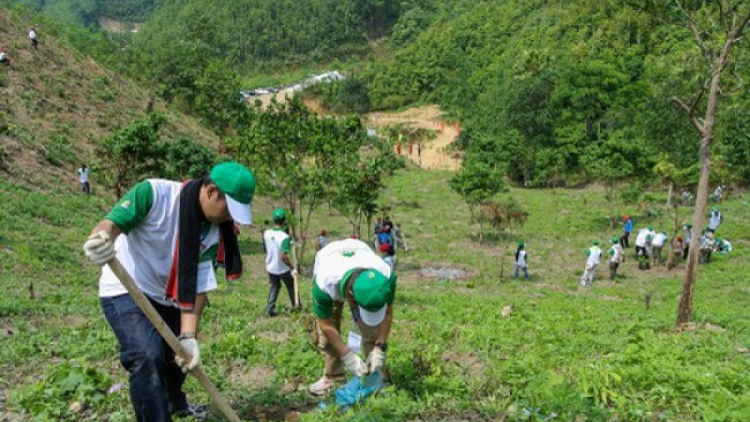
point(433, 155)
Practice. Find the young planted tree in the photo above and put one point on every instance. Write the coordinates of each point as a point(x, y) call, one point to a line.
point(502, 216)
point(716, 27)
point(295, 156)
point(480, 178)
point(360, 179)
point(131, 153)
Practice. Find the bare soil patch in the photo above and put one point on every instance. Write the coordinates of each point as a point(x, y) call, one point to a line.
point(256, 376)
point(444, 272)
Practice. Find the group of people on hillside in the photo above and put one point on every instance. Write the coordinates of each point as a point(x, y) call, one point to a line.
point(171, 236)
point(388, 238)
point(4, 56)
point(649, 247)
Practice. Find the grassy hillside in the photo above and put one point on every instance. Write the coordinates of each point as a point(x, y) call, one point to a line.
point(56, 103)
point(595, 354)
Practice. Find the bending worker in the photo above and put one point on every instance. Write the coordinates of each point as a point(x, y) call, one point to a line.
point(348, 271)
point(173, 235)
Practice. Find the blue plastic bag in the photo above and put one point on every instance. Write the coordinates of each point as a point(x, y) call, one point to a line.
point(356, 390)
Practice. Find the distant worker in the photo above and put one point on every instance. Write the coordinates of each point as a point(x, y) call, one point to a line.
point(687, 228)
point(593, 258)
point(616, 256)
point(384, 238)
point(658, 242)
point(627, 229)
point(4, 59)
point(676, 253)
point(716, 197)
point(714, 220)
point(723, 246)
point(388, 253)
point(642, 243)
point(687, 197)
point(277, 243)
point(321, 241)
point(83, 178)
point(520, 263)
point(32, 39)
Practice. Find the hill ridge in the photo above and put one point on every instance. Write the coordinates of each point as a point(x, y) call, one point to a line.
point(55, 102)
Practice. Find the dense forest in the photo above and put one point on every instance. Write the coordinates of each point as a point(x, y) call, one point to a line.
point(87, 12)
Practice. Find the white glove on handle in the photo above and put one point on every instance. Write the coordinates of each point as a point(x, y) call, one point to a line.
point(376, 360)
point(355, 365)
point(190, 346)
point(99, 248)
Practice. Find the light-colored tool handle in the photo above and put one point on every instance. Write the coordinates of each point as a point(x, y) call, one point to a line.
point(295, 274)
point(169, 337)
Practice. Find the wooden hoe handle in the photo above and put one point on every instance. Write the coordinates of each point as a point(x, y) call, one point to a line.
point(169, 337)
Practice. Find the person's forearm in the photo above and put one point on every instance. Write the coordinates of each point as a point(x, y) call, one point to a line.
point(109, 227)
point(190, 319)
point(385, 328)
point(333, 337)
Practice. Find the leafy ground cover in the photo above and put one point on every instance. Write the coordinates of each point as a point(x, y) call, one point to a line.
point(563, 353)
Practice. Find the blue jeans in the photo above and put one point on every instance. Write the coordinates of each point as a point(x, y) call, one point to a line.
point(155, 379)
point(525, 272)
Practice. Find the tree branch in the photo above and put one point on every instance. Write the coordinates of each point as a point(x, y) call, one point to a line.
point(690, 112)
point(722, 15)
point(693, 25)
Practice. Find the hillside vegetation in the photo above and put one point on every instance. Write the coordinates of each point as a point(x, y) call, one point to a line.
point(558, 87)
point(88, 12)
point(608, 353)
point(57, 102)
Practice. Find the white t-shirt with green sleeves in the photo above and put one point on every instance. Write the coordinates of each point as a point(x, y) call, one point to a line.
point(277, 242)
point(333, 262)
point(148, 216)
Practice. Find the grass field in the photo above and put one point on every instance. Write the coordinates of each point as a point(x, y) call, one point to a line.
point(564, 353)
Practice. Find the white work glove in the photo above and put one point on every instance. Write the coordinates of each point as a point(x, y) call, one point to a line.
point(294, 273)
point(376, 360)
point(190, 346)
point(355, 365)
point(99, 248)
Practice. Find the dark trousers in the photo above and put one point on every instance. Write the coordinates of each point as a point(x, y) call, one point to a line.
point(155, 379)
point(34, 44)
point(686, 251)
point(625, 240)
point(275, 286)
point(86, 187)
point(639, 250)
point(613, 270)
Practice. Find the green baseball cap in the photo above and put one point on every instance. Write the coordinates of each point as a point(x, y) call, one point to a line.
point(596, 243)
point(613, 239)
point(279, 215)
point(372, 292)
point(651, 228)
point(238, 184)
point(521, 244)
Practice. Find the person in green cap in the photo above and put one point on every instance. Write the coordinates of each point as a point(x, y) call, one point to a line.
point(687, 227)
point(616, 256)
point(276, 243)
point(169, 236)
point(521, 257)
point(593, 258)
point(714, 220)
point(349, 272)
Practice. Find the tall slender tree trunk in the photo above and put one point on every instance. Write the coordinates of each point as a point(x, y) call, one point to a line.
point(670, 194)
point(685, 310)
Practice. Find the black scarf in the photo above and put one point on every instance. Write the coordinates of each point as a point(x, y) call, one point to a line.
point(189, 243)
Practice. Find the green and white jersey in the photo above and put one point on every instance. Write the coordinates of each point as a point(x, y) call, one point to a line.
point(277, 242)
point(334, 263)
point(148, 216)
